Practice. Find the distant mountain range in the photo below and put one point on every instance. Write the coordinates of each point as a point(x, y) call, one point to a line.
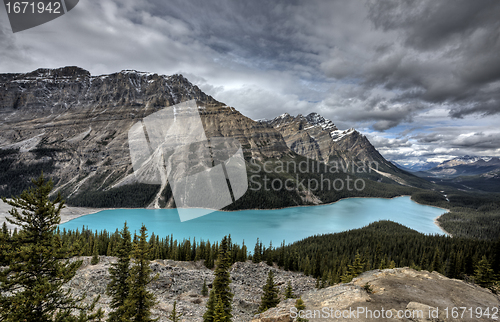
point(74, 127)
point(464, 166)
point(464, 173)
point(416, 166)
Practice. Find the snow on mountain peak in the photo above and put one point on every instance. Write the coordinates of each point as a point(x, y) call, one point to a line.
point(338, 135)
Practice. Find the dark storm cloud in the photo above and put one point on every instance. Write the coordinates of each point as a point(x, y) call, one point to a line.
point(376, 65)
point(430, 24)
point(260, 30)
point(475, 140)
point(449, 52)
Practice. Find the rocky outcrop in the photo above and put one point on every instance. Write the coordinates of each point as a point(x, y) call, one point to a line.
point(403, 294)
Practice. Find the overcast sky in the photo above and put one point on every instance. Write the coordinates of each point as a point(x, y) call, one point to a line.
point(420, 78)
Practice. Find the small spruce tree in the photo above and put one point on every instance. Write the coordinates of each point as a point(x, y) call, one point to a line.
point(140, 300)
point(174, 316)
point(355, 269)
point(223, 279)
point(204, 288)
point(270, 298)
point(300, 306)
point(118, 288)
point(256, 257)
point(95, 255)
point(483, 272)
point(437, 264)
point(221, 289)
point(289, 291)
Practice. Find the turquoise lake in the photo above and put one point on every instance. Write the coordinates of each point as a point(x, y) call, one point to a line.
point(289, 224)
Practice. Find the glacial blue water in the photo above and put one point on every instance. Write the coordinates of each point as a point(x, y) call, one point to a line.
point(289, 224)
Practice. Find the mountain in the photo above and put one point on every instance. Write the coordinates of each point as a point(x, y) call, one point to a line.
point(318, 138)
point(74, 127)
point(465, 166)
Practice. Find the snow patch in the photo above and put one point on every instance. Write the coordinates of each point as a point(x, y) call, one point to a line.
point(338, 135)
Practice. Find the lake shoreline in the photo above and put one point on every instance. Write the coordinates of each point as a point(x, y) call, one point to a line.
point(436, 222)
point(70, 212)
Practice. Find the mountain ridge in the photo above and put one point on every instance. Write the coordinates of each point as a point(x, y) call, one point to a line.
point(73, 126)
point(465, 166)
point(316, 137)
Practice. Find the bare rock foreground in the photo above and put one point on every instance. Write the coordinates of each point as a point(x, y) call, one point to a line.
point(393, 290)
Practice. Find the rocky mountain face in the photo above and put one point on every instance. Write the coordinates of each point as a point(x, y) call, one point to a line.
point(318, 138)
point(74, 126)
point(392, 289)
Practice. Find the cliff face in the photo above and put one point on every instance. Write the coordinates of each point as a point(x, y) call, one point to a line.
point(74, 126)
point(318, 138)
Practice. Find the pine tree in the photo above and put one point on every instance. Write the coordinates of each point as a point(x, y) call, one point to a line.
point(355, 269)
point(208, 316)
point(437, 264)
point(300, 306)
point(289, 291)
point(95, 255)
point(118, 287)
point(140, 300)
point(269, 255)
point(31, 287)
point(220, 314)
point(223, 279)
point(256, 258)
point(208, 257)
point(483, 272)
point(4, 244)
point(174, 316)
point(204, 289)
point(270, 298)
